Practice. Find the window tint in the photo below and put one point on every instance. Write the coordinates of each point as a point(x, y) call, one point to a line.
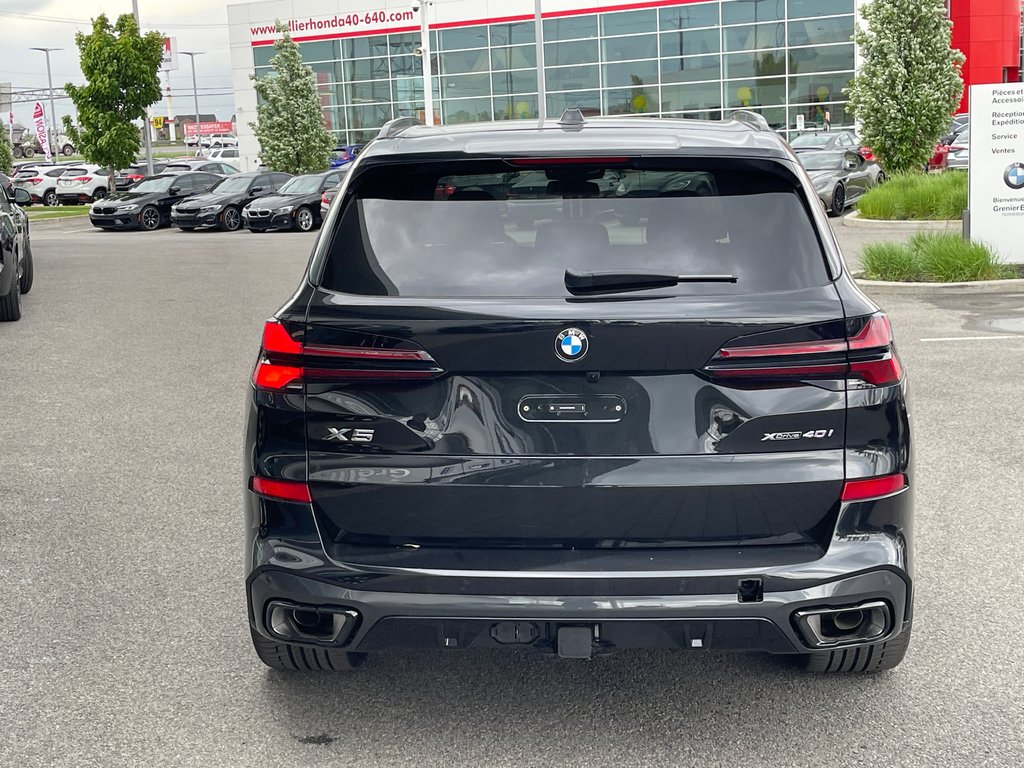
point(479, 229)
point(185, 184)
point(55, 172)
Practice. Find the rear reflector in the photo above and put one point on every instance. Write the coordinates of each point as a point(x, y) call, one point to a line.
point(286, 363)
point(858, 490)
point(283, 490)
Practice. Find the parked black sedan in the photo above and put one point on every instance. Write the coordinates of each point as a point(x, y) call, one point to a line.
point(296, 204)
point(147, 205)
point(221, 206)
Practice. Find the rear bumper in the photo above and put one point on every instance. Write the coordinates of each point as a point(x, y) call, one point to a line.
point(418, 599)
point(390, 620)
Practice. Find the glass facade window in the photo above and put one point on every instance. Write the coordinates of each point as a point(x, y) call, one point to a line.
point(629, 22)
point(782, 58)
point(689, 16)
point(746, 11)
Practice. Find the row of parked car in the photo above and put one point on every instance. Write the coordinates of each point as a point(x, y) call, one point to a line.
point(197, 198)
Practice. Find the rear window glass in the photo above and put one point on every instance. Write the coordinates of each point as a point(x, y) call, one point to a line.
point(489, 229)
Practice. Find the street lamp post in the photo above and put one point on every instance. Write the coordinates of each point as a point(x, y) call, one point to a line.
point(49, 82)
point(195, 91)
point(145, 123)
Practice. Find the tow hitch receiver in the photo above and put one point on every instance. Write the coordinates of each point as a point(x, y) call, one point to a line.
point(575, 642)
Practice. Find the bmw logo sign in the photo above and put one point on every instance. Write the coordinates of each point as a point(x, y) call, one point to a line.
point(1014, 176)
point(571, 345)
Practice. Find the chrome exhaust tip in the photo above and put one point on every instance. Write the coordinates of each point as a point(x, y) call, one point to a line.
point(310, 624)
point(844, 625)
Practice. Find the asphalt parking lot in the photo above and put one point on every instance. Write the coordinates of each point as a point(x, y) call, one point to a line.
point(124, 624)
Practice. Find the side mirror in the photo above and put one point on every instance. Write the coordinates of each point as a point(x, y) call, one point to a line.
point(255, 190)
point(173, 190)
point(22, 197)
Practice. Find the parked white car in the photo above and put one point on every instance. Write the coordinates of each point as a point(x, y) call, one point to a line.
point(40, 181)
point(224, 153)
point(215, 140)
point(82, 184)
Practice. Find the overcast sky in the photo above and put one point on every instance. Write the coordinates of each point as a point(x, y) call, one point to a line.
point(198, 25)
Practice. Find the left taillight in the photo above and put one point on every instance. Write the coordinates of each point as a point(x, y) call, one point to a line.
point(866, 354)
point(286, 363)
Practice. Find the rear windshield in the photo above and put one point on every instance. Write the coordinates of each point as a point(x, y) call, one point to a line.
point(490, 229)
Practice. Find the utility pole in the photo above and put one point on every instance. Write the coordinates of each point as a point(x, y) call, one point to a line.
point(53, 112)
point(145, 122)
point(428, 86)
point(195, 91)
point(542, 96)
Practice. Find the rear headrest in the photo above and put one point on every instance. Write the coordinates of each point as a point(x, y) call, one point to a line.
point(573, 189)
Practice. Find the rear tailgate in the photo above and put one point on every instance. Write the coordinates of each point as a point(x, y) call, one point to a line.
point(458, 396)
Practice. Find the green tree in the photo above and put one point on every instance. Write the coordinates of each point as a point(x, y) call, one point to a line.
point(909, 82)
point(6, 154)
point(120, 68)
point(290, 124)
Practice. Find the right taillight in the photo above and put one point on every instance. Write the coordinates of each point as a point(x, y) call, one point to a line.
point(865, 354)
point(286, 363)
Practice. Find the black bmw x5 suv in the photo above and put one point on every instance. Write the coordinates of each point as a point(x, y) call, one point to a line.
point(686, 431)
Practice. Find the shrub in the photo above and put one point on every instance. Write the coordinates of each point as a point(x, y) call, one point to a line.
point(890, 261)
point(934, 196)
point(932, 257)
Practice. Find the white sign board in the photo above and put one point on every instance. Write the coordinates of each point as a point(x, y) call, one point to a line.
point(800, 122)
point(996, 169)
point(170, 59)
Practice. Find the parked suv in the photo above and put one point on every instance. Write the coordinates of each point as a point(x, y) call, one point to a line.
point(40, 181)
point(689, 432)
point(82, 184)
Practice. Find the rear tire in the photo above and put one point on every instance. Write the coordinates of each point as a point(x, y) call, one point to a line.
point(866, 658)
point(50, 197)
point(26, 270)
point(300, 658)
point(99, 194)
point(10, 305)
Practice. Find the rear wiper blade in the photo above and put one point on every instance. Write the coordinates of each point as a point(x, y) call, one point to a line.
point(585, 283)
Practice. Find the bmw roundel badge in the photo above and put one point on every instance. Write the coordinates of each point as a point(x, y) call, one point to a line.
point(1014, 176)
point(571, 345)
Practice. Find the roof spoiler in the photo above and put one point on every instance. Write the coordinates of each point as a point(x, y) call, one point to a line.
point(393, 128)
point(751, 119)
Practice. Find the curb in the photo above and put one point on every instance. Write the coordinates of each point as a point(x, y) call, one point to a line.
point(51, 225)
point(916, 225)
point(974, 286)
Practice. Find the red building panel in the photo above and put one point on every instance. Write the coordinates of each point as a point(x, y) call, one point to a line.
point(988, 33)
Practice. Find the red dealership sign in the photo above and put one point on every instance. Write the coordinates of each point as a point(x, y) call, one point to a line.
point(205, 129)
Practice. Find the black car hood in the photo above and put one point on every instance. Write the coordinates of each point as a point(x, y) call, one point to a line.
point(213, 198)
point(278, 201)
point(134, 197)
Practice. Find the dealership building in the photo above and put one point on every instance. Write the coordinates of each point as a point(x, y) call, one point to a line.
point(787, 59)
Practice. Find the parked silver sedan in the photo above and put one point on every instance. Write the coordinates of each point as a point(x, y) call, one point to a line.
point(840, 178)
point(959, 156)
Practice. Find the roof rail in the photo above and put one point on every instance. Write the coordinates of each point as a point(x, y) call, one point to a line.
point(393, 128)
point(752, 119)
